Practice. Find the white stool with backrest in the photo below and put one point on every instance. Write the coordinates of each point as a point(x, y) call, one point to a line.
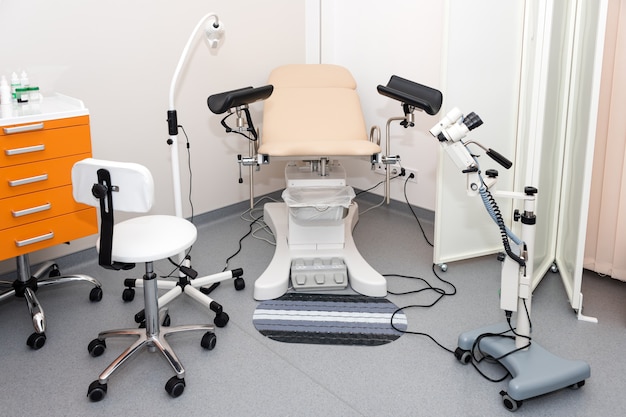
point(129, 187)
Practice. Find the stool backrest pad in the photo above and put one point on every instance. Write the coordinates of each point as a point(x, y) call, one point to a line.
point(134, 184)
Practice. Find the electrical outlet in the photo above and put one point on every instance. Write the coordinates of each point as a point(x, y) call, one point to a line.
point(408, 172)
point(395, 170)
point(381, 169)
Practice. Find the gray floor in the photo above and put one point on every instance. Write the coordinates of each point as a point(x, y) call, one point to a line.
point(250, 375)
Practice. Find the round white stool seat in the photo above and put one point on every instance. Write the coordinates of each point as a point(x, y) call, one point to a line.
point(151, 238)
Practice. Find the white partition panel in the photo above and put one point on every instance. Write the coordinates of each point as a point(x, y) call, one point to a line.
point(555, 131)
point(578, 153)
point(482, 74)
point(543, 118)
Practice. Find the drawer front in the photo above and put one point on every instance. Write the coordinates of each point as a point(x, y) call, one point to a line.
point(22, 148)
point(38, 176)
point(28, 208)
point(42, 234)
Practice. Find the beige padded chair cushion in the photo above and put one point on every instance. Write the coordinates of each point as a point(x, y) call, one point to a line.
point(314, 111)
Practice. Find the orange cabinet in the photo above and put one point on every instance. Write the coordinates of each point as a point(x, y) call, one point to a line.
point(37, 151)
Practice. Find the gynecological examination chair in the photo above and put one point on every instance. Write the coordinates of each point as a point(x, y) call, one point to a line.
point(312, 117)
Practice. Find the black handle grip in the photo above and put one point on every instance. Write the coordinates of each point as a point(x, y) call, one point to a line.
point(172, 123)
point(499, 158)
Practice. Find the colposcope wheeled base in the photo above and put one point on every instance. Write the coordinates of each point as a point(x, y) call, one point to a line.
point(535, 371)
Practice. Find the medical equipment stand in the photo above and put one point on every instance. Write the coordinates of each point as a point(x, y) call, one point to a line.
point(214, 32)
point(534, 370)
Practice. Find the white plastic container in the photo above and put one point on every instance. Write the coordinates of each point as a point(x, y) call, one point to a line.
point(5, 92)
point(15, 83)
point(315, 204)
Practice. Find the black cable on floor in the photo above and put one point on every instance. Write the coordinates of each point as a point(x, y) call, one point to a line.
point(209, 289)
point(441, 293)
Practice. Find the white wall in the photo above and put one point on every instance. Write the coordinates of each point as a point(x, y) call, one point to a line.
point(119, 56)
point(376, 39)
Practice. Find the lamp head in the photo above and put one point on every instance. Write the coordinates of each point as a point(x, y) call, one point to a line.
point(214, 32)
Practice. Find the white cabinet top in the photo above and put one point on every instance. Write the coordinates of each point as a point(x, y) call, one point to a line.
point(53, 107)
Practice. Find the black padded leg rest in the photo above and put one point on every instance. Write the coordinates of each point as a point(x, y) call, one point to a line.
point(413, 94)
point(220, 103)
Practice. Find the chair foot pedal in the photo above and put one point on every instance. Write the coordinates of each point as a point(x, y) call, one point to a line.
point(319, 273)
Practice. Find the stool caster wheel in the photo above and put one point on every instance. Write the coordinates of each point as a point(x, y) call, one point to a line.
point(175, 386)
point(208, 341)
point(128, 294)
point(36, 340)
point(463, 356)
point(509, 403)
point(96, 391)
point(95, 294)
point(240, 284)
point(221, 319)
point(96, 347)
point(54, 272)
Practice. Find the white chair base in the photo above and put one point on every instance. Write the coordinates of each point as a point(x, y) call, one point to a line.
point(274, 281)
point(190, 287)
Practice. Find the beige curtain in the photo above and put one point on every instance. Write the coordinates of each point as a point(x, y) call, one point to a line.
point(605, 248)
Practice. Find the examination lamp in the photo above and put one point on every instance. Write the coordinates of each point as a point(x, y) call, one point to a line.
point(214, 33)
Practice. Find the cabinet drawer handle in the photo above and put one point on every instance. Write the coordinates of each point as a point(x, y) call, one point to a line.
point(28, 149)
point(22, 129)
point(30, 180)
point(36, 239)
point(32, 210)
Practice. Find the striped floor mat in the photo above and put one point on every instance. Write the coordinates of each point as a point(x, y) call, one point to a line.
point(329, 319)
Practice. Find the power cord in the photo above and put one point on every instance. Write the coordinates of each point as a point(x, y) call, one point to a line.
point(373, 187)
point(253, 220)
point(428, 288)
point(191, 219)
point(188, 146)
point(419, 223)
point(250, 231)
point(477, 355)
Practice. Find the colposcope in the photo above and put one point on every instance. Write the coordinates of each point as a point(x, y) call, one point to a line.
point(534, 370)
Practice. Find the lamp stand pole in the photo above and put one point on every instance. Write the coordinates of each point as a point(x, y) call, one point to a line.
point(214, 33)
